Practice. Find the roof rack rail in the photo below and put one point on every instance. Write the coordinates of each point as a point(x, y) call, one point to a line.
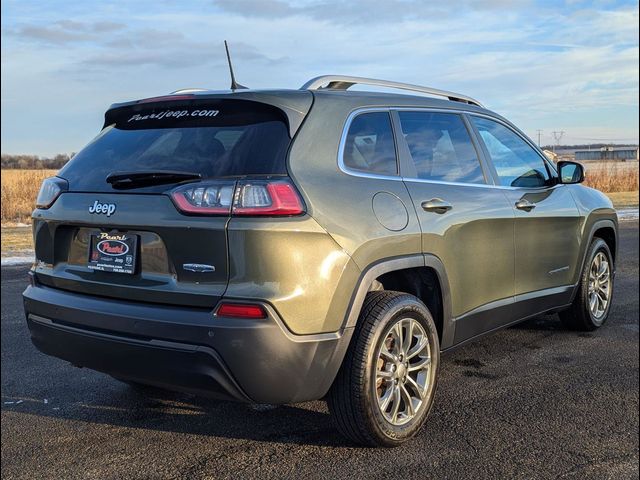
point(188, 90)
point(343, 82)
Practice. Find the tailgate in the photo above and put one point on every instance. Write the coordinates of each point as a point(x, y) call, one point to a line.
point(173, 258)
point(116, 204)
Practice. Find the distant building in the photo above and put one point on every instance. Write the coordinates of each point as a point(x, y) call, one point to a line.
point(608, 153)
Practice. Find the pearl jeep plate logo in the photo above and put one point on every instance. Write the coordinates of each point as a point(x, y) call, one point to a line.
point(113, 252)
point(112, 248)
point(102, 208)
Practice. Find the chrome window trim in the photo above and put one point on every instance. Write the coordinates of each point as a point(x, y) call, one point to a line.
point(457, 184)
point(399, 178)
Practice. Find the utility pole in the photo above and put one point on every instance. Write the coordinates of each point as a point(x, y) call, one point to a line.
point(557, 136)
point(539, 133)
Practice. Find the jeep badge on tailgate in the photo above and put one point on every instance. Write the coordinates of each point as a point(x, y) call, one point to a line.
point(98, 207)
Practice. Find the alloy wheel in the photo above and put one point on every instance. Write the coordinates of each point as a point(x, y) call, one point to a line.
point(599, 291)
point(403, 372)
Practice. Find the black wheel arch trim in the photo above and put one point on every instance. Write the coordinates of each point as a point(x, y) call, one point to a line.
point(387, 265)
point(597, 225)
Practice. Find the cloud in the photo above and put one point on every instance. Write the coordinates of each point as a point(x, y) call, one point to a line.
point(126, 47)
point(543, 65)
point(65, 31)
point(359, 11)
point(51, 34)
point(259, 8)
point(146, 48)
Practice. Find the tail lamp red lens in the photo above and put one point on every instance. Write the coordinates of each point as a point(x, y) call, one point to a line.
point(241, 310)
point(50, 190)
point(267, 198)
point(242, 198)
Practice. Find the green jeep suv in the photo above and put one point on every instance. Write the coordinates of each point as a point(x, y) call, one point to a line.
point(280, 246)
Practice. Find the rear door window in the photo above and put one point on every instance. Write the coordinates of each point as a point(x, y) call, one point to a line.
point(215, 139)
point(370, 146)
point(440, 147)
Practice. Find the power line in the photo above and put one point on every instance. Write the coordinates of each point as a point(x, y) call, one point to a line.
point(539, 134)
point(557, 136)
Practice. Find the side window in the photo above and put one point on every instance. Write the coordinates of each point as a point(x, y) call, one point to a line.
point(517, 163)
point(369, 145)
point(441, 147)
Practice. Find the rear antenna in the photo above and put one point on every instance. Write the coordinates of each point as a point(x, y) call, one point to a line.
point(234, 85)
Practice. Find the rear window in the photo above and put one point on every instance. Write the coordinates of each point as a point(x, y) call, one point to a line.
point(214, 139)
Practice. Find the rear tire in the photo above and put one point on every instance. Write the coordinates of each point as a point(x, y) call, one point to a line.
point(592, 303)
point(385, 387)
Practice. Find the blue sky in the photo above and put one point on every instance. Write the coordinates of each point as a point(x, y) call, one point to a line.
point(569, 66)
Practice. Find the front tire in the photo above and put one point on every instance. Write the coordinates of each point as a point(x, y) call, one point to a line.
point(591, 306)
point(384, 390)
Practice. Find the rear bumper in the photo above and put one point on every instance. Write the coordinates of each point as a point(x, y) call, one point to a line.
point(185, 349)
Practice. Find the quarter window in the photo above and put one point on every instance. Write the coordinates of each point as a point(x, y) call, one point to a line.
point(440, 147)
point(369, 145)
point(517, 163)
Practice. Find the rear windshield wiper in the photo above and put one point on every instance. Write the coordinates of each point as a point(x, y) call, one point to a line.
point(125, 180)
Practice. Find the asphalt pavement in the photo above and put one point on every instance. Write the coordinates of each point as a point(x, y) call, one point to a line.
point(532, 401)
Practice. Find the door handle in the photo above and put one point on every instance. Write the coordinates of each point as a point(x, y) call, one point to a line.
point(525, 205)
point(436, 205)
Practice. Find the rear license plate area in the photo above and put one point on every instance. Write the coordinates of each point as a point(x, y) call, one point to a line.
point(113, 252)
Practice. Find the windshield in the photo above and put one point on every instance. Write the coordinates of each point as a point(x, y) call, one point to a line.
point(218, 139)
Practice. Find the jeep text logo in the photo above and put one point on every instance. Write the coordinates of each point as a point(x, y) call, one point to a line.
point(107, 208)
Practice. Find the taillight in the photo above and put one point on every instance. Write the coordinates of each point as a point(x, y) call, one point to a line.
point(266, 197)
point(241, 310)
point(205, 198)
point(50, 190)
point(243, 198)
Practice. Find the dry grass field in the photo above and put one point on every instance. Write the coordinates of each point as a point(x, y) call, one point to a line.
point(612, 177)
point(20, 187)
point(19, 192)
point(16, 241)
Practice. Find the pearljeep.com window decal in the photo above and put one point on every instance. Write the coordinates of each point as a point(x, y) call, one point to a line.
point(173, 114)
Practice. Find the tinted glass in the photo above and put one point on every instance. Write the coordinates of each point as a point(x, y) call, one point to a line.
point(441, 147)
point(517, 163)
point(225, 138)
point(369, 146)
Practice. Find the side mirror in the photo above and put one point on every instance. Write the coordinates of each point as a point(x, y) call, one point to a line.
point(570, 172)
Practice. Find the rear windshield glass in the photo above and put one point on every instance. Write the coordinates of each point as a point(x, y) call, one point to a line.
point(213, 139)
